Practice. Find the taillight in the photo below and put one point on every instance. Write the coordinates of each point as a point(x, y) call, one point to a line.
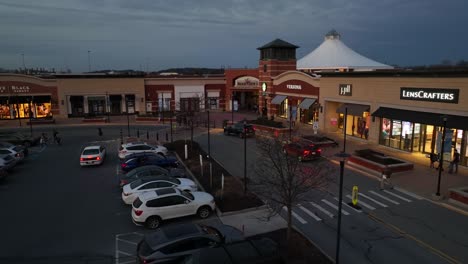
point(81, 159)
point(123, 165)
point(138, 212)
point(319, 150)
point(123, 182)
point(98, 158)
point(306, 152)
point(146, 261)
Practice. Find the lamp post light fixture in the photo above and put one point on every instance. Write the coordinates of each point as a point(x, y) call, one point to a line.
point(264, 93)
point(343, 155)
point(441, 158)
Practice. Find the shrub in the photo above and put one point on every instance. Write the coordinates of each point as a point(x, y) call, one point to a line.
point(263, 121)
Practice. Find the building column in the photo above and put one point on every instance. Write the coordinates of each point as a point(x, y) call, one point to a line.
point(69, 107)
point(137, 104)
point(123, 104)
point(85, 104)
point(108, 103)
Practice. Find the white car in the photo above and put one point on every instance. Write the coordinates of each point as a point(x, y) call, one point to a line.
point(137, 147)
point(132, 190)
point(92, 155)
point(19, 156)
point(150, 208)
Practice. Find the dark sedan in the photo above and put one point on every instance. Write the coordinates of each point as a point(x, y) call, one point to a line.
point(303, 151)
point(19, 139)
point(158, 160)
point(148, 171)
point(238, 129)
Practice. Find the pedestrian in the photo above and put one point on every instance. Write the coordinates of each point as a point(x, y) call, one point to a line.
point(100, 131)
point(57, 139)
point(42, 140)
point(433, 159)
point(454, 162)
point(385, 178)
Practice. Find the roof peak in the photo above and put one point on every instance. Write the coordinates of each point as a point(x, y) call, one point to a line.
point(332, 34)
point(278, 43)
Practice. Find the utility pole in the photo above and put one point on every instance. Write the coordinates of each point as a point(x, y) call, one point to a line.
point(89, 61)
point(24, 65)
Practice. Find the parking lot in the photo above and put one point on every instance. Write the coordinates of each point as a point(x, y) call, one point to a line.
point(55, 211)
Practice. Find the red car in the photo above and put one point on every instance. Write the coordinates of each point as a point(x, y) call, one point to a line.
point(303, 151)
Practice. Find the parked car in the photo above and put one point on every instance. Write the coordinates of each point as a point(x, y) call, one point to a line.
point(131, 191)
point(19, 139)
point(147, 171)
point(19, 156)
point(171, 243)
point(303, 151)
point(92, 155)
point(137, 155)
point(135, 147)
point(252, 251)
point(7, 162)
point(151, 208)
point(238, 130)
point(17, 148)
point(158, 160)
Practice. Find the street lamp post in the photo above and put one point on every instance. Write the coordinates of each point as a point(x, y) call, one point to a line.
point(290, 123)
point(128, 116)
point(441, 159)
point(89, 61)
point(30, 117)
point(245, 157)
point(232, 108)
point(343, 155)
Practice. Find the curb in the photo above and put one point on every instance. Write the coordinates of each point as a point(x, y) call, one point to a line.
point(261, 207)
point(190, 173)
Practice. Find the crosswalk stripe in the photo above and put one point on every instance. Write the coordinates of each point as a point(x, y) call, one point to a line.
point(300, 219)
point(398, 196)
point(310, 213)
point(372, 199)
point(415, 196)
point(359, 211)
point(321, 209)
point(335, 207)
point(362, 203)
point(383, 197)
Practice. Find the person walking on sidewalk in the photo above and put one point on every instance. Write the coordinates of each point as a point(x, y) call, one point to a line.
point(455, 161)
point(433, 158)
point(385, 178)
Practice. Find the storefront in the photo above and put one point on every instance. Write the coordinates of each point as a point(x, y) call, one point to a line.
point(242, 89)
point(402, 110)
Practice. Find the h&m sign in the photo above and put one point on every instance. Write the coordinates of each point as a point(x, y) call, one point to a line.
point(345, 90)
point(440, 95)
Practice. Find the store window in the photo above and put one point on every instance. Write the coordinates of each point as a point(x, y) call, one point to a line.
point(166, 106)
point(283, 109)
point(213, 103)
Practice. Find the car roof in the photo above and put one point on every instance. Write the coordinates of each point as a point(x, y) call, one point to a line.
point(158, 193)
point(172, 233)
point(92, 147)
point(156, 178)
point(134, 144)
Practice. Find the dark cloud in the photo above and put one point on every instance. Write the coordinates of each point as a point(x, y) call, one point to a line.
point(213, 33)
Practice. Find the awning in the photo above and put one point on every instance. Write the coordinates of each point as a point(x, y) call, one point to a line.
point(41, 99)
point(353, 109)
point(306, 103)
point(278, 99)
point(436, 119)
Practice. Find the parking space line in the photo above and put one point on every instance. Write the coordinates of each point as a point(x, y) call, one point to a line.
point(398, 196)
point(127, 241)
point(359, 211)
point(372, 199)
point(363, 203)
point(309, 213)
point(300, 219)
point(415, 196)
point(322, 209)
point(124, 253)
point(335, 207)
point(383, 197)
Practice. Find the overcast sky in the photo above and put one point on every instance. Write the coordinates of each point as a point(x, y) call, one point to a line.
point(159, 34)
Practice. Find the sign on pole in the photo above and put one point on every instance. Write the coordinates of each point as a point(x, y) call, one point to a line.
point(355, 195)
point(315, 127)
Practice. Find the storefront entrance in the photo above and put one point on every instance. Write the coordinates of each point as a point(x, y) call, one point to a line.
point(246, 101)
point(25, 107)
point(357, 119)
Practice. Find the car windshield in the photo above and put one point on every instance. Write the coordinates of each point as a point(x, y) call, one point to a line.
point(91, 152)
point(187, 195)
point(136, 183)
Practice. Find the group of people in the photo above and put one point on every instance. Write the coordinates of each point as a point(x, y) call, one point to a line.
point(44, 139)
point(453, 166)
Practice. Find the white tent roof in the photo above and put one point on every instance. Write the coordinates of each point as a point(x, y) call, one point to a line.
point(334, 54)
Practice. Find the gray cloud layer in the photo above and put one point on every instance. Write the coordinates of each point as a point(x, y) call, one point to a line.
point(126, 34)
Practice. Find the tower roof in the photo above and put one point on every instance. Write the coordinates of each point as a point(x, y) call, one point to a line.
point(334, 54)
point(278, 43)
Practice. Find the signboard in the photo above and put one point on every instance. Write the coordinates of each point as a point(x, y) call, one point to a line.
point(293, 112)
point(294, 86)
point(439, 95)
point(447, 143)
point(149, 107)
point(15, 89)
point(345, 90)
point(354, 195)
point(264, 88)
point(236, 105)
point(246, 82)
point(315, 127)
point(333, 121)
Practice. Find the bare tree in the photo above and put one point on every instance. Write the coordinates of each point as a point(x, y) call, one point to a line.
point(283, 180)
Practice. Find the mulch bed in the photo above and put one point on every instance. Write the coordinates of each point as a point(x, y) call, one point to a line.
point(233, 198)
point(301, 251)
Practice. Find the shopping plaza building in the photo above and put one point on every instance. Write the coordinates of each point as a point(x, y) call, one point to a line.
point(330, 89)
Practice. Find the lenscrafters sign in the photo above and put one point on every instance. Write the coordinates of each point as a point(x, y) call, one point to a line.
point(345, 90)
point(430, 94)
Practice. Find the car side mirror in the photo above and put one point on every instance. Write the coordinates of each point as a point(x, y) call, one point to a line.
point(187, 201)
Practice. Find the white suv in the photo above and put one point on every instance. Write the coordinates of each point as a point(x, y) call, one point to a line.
point(137, 147)
point(150, 208)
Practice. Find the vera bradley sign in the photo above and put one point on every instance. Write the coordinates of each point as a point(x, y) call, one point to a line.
point(440, 95)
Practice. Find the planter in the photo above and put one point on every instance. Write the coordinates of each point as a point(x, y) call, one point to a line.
point(270, 130)
point(377, 161)
point(460, 195)
point(155, 119)
point(41, 121)
point(95, 120)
